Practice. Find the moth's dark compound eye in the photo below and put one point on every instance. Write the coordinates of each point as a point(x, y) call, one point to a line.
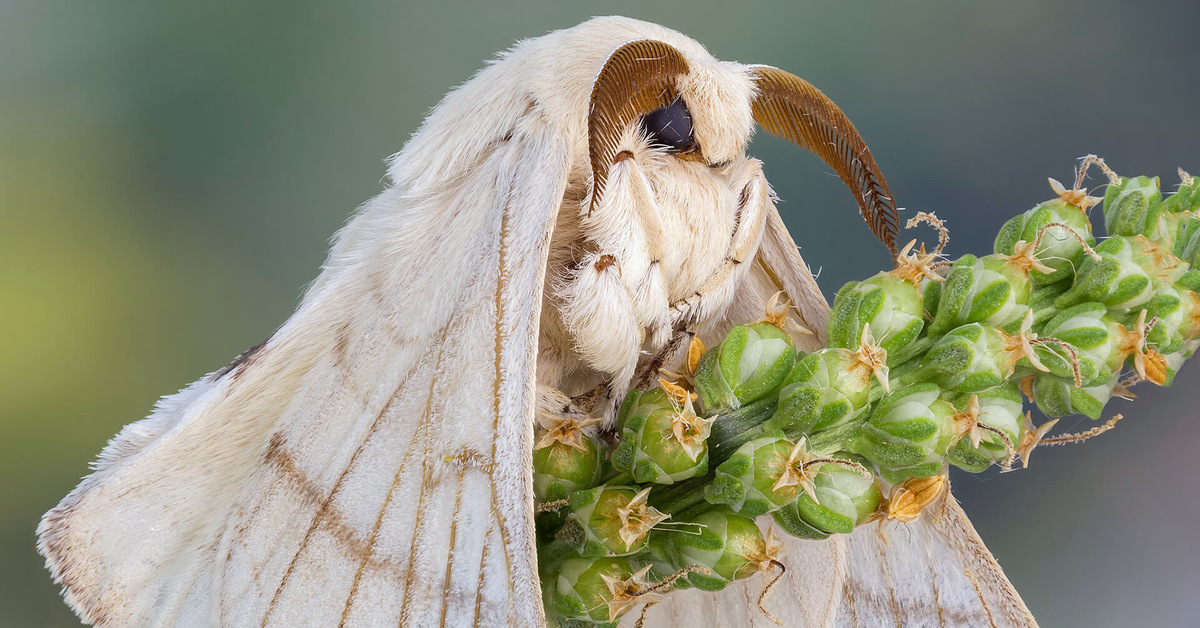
point(671, 127)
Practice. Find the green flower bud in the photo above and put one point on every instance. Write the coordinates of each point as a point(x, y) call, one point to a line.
point(1095, 337)
point(609, 521)
point(998, 414)
point(1132, 207)
point(824, 390)
point(582, 592)
point(642, 403)
point(1058, 250)
point(890, 306)
point(1168, 334)
point(981, 290)
point(1116, 279)
point(845, 499)
point(560, 469)
point(746, 481)
point(968, 359)
point(667, 446)
point(747, 366)
point(730, 545)
point(1185, 199)
point(1057, 397)
point(908, 431)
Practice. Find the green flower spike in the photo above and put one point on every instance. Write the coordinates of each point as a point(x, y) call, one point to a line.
point(975, 357)
point(730, 545)
point(745, 482)
point(1132, 207)
point(1092, 336)
point(565, 458)
point(1057, 397)
point(993, 289)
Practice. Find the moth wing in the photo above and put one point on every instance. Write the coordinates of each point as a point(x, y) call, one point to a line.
point(932, 572)
point(778, 267)
point(806, 596)
point(370, 464)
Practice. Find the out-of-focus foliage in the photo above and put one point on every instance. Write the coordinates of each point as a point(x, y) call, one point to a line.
point(170, 174)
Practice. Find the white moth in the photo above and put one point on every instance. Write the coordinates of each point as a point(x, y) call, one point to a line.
point(369, 464)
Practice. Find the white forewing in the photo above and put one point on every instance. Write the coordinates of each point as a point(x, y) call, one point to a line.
point(369, 465)
point(932, 572)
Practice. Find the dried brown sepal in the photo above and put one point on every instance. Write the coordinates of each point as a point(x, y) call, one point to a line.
point(1031, 437)
point(694, 353)
point(792, 108)
point(567, 430)
point(638, 518)
point(638, 78)
point(908, 498)
point(916, 267)
point(796, 469)
point(871, 359)
point(1148, 363)
point(777, 309)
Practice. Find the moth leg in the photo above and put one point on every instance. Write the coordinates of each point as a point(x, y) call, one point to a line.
point(552, 402)
point(716, 293)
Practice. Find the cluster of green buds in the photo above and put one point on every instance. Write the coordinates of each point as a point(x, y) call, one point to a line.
point(933, 364)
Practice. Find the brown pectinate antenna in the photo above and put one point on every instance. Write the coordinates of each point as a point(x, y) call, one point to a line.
point(638, 78)
point(790, 107)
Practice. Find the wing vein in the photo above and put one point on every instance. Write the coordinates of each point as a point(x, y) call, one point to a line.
point(321, 512)
point(453, 533)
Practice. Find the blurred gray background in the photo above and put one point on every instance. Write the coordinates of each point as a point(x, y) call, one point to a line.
point(170, 173)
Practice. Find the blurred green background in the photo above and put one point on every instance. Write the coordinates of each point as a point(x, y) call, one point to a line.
point(170, 174)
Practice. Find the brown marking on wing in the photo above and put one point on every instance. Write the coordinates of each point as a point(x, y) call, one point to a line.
point(284, 462)
point(239, 364)
point(887, 581)
point(487, 541)
point(341, 345)
point(325, 503)
point(979, 592)
point(453, 534)
point(848, 593)
point(497, 381)
point(468, 458)
point(426, 478)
